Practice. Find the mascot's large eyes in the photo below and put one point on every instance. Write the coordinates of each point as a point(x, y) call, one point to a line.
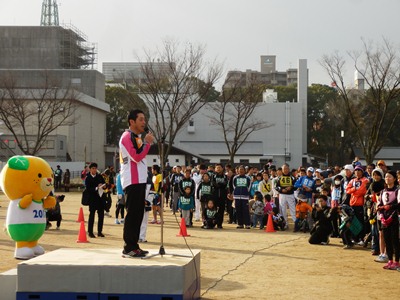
point(40, 175)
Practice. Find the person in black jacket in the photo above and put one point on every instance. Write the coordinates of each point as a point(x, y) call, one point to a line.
point(220, 182)
point(95, 182)
point(322, 216)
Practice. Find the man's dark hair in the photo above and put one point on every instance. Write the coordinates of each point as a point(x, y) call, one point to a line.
point(93, 165)
point(202, 167)
point(133, 114)
point(323, 197)
point(157, 168)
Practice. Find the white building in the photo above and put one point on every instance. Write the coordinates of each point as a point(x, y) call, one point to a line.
point(284, 141)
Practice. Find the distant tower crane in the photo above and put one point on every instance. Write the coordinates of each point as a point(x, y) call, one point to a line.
point(49, 13)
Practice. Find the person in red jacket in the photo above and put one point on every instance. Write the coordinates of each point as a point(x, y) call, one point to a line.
point(357, 188)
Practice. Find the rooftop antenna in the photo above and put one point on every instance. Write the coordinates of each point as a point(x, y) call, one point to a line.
point(49, 13)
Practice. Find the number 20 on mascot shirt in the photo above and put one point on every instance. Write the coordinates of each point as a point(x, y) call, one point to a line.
point(27, 181)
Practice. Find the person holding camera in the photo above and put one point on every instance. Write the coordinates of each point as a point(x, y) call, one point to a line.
point(322, 216)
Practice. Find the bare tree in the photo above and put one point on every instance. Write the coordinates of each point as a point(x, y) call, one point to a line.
point(175, 84)
point(234, 112)
point(373, 111)
point(31, 115)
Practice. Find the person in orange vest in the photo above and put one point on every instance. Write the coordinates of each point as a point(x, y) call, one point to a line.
point(357, 188)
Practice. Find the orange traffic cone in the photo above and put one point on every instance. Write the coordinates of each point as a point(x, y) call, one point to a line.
point(82, 238)
point(270, 224)
point(182, 230)
point(80, 216)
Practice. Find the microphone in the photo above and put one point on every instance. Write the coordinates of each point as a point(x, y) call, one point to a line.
point(146, 130)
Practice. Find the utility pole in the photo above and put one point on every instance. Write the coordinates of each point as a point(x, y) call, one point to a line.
point(49, 13)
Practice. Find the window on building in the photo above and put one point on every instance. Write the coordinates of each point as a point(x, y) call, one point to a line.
point(75, 80)
point(50, 144)
point(177, 160)
point(61, 145)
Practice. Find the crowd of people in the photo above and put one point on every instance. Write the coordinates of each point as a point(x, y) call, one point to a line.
point(357, 204)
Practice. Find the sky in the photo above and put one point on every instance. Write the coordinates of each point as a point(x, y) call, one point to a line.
point(234, 32)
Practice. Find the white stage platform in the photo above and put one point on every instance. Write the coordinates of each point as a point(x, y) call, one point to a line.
point(105, 274)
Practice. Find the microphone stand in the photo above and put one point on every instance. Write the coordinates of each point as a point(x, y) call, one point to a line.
point(162, 252)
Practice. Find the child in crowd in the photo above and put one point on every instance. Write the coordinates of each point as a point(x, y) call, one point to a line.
point(269, 204)
point(303, 210)
point(210, 215)
point(336, 196)
point(318, 187)
point(54, 214)
point(258, 210)
point(255, 184)
point(349, 225)
point(147, 208)
point(205, 191)
point(156, 207)
point(157, 186)
point(186, 205)
point(277, 218)
point(120, 206)
point(107, 192)
point(327, 192)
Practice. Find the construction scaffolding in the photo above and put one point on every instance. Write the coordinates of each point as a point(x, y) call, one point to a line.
point(75, 51)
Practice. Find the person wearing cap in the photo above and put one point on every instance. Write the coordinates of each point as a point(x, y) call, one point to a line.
point(357, 188)
point(134, 146)
point(318, 174)
point(356, 162)
point(382, 165)
point(306, 184)
point(348, 176)
point(285, 187)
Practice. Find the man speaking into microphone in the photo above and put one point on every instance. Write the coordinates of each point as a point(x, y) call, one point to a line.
point(134, 145)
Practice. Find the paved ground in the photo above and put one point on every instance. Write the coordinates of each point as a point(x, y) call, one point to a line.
point(239, 264)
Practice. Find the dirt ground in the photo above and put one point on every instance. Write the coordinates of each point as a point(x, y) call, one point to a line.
point(237, 264)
